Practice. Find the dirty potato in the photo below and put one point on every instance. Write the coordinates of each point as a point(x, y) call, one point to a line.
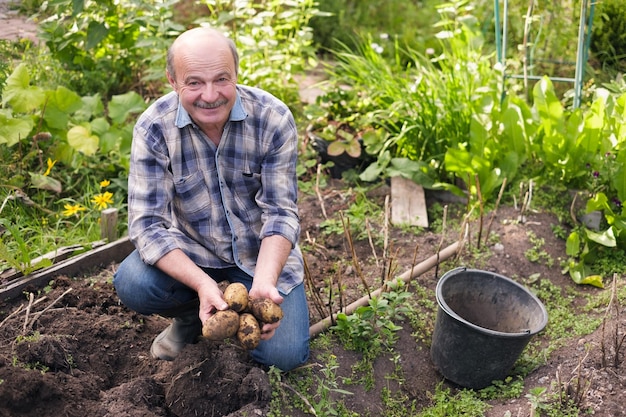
point(221, 325)
point(236, 295)
point(265, 310)
point(249, 333)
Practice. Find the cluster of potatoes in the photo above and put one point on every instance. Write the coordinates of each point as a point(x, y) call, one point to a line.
point(244, 317)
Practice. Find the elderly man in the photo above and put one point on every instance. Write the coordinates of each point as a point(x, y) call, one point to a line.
point(212, 195)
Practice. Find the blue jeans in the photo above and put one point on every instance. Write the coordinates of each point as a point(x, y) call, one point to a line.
point(147, 290)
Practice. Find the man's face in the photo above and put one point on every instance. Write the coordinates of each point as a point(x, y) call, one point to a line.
point(206, 82)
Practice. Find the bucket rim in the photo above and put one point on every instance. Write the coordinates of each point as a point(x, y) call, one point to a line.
point(446, 308)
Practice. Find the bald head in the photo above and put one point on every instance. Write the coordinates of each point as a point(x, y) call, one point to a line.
point(207, 39)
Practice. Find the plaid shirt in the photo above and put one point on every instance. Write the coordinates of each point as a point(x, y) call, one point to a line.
point(216, 203)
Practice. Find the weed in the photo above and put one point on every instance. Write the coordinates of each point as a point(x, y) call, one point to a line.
point(446, 404)
point(536, 253)
point(565, 319)
point(397, 404)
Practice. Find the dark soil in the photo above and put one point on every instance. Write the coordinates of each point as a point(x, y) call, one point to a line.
point(74, 350)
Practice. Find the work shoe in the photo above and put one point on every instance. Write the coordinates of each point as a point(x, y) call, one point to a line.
point(184, 330)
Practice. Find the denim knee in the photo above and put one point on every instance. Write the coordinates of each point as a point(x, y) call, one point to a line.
point(289, 347)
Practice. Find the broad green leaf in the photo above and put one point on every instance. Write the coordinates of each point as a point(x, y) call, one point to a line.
point(374, 140)
point(572, 245)
point(60, 104)
point(595, 280)
point(44, 182)
point(92, 107)
point(100, 126)
point(548, 105)
point(81, 139)
point(598, 202)
point(96, 32)
point(18, 93)
point(416, 171)
point(479, 132)
point(335, 148)
point(77, 6)
point(605, 238)
point(458, 161)
point(618, 180)
point(121, 106)
point(13, 130)
point(354, 148)
point(514, 129)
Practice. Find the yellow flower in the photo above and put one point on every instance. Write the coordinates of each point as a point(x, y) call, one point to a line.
point(50, 165)
point(105, 183)
point(70, 209)
point(102, 200)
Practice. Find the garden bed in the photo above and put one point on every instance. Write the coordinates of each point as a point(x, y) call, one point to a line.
point(71, 349)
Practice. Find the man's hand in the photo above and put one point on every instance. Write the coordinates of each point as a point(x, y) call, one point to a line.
point(178, 265)
point(259, 290)
point(211, 299)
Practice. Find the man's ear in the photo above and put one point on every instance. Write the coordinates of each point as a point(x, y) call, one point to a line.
point(171, 79)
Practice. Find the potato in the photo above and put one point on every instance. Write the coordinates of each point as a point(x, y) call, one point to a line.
point(221, 325)
point(236, 295)
point(249, 333)
point(265, 310)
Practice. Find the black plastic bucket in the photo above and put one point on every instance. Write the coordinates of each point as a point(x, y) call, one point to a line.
point(484, 322)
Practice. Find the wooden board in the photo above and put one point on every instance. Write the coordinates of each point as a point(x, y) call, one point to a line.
point(101, 256)
point(408, 203)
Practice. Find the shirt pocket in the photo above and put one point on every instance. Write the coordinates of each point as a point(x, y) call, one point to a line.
point(193, 198)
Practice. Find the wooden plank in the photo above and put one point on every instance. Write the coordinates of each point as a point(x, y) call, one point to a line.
point(113, 252)
point(408, 203)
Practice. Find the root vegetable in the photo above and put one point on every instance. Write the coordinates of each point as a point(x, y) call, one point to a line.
point(236, 295)
point(221, 325)
point(265, 310)
point(249, 333)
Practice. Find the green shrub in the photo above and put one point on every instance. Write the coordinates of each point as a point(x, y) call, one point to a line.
point(408, 22)
point(109, 46)
point(608, 42)
point(273, 39)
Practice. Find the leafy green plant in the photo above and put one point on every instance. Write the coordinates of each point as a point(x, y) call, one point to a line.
point(356, 217)
point(608, 41)
point(122, 39)
point(463, 403)
point(54, 142)
point(274, 41)
point(585, 246)
point(372, 327)
point(408, 114)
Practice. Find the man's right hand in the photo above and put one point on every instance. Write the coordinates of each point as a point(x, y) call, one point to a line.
point(211, 299)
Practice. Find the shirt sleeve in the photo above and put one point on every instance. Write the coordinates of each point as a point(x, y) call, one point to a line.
point(150, 189)
point(278, 199)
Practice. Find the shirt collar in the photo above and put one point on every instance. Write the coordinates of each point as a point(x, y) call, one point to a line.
point(237, 114)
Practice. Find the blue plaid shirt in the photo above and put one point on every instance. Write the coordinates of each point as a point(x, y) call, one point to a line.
point(216, 203)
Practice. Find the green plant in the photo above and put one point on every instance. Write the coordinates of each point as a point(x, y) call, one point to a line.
point(536, 253)
point(463, 403)
point(274, 41)
point(356, 217)
point(53, 143)
point(123, 39)
point(608, 41)
point(371, 328)
point(407, 22)
point(407, 113)
point(586, 246)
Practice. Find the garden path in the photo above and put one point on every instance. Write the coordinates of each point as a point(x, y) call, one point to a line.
point(14, 26)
